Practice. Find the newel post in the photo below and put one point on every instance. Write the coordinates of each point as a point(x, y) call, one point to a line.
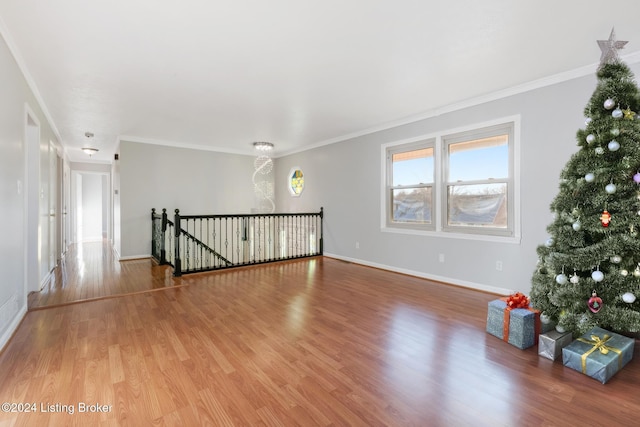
point(153, 233)
point(163, 251)
point(177, 269)
point(321, 230)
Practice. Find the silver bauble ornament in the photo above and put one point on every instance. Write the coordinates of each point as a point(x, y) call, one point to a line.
point(587, 121)
point(599, 150)
point(597, 276)
point(591, 138)
point(544, 319)
point(613, 145)
point(624, 273)
point(561, 279)
point(609, 103)
point(617, 113)
point(574, 279)
point(576, 226)
point(560, 329)
point(629, 298)
point(615, 131)
point(549, 242)
point(610, 188)
point(589, 177)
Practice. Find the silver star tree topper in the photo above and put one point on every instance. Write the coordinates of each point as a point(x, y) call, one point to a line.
point(610, 48)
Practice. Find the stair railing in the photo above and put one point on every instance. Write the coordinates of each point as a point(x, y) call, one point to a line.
point(198, 243)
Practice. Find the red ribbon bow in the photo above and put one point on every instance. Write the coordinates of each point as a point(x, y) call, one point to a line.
point(518, 300)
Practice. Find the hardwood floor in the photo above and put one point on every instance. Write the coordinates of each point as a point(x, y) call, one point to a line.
point(309, 342)
point(91, 271)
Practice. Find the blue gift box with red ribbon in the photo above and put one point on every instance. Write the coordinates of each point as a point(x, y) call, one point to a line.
point(515, 323)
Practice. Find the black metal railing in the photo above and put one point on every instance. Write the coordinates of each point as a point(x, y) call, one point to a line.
point(195, 243)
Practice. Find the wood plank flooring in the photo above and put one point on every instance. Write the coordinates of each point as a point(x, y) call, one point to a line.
point(91, 271)
point(314, 342)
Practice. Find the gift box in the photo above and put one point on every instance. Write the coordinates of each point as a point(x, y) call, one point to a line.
point(550, 344)
point(517, 326)
point(599, 354)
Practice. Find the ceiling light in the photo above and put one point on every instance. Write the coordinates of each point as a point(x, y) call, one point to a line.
point(263, 146)
point(89, 150)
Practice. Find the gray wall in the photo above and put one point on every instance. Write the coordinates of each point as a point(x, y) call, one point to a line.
point(345, 178)
point(16, 97)
point(196, 182)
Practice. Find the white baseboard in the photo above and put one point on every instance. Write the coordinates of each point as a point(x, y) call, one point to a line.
point(12, 327)
point(132, 257)
point(457, 282)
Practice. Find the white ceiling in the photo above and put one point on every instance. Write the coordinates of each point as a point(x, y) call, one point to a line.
point(299, 73)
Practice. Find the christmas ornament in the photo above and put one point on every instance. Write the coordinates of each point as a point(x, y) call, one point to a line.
point(628, 114)
point(576, 226)
point(624, 273)
point(632, 231)
point(616, 259)
point(588, 120)
point(590, 177)
point(617, 113)
point(636, 178)
point(615, 131)
point(591, 138)
point(628, 297)
point(610, 188)
point(599, 150)
point(605, 218)
point(549, 242)
point(545, 319)
point(597, 276)
point(574, 279)
point(595, 302)
point(610, 48)
point(560, 329)
point(561, 279)
point(636, 272)
point(609, 103)
point(613, 145)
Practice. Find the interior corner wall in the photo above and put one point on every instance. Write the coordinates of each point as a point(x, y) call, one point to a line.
point(345, 178)
point(16, 98)
point(193, 181)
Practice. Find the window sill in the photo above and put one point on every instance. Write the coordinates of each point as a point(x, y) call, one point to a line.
point(451, 235)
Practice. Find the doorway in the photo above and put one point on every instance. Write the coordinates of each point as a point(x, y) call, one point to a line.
point(89, 206)
point(32, 204)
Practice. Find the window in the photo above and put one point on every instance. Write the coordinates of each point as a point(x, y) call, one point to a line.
point(477, 181)
point(410, 186)
point(296, 181)
point(461, 183)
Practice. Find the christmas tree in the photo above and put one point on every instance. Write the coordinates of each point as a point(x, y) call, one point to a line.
point(588, 271)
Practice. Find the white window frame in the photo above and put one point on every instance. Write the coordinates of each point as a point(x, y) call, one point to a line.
point(439, 192)
point(410, 146)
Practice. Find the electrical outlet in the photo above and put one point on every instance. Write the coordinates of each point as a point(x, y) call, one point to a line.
point(499, 265)
point(441, 257)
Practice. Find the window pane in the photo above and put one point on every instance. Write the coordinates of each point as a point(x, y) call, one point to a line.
point(413, 167)
point(411, 205)
point(479, 159)
point(481, 205)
